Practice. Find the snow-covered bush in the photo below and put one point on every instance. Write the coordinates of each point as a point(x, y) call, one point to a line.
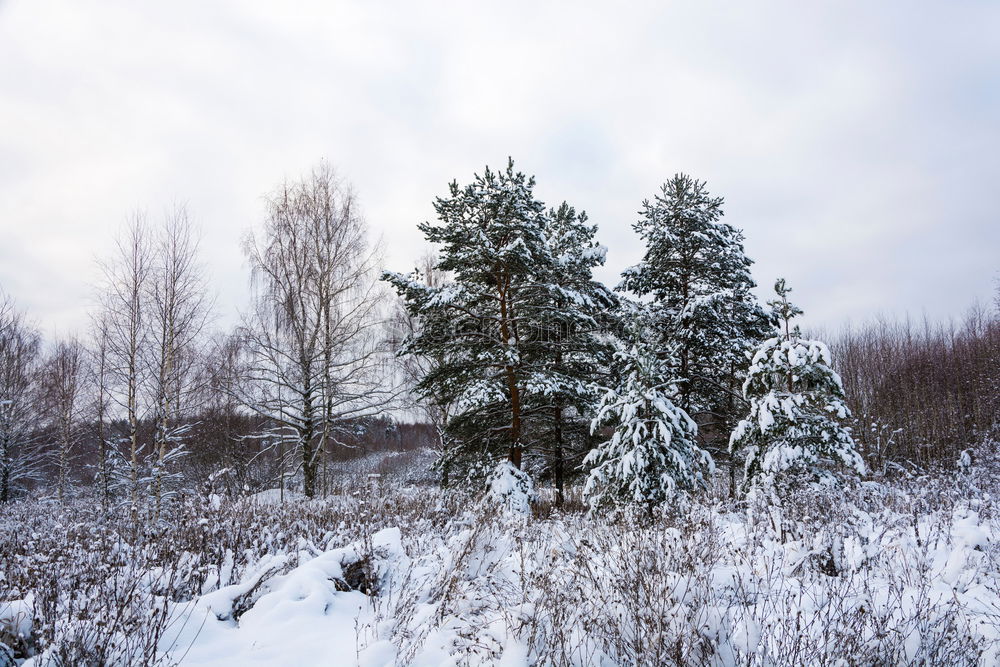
point(870, 584)
point(510, 489)
point(105, 590)
point(653, 450)
point(899, 571)
point(797, 408)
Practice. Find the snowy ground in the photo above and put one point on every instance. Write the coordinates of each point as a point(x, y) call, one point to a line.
point(884, 573)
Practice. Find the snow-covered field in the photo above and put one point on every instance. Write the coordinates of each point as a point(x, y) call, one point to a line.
point(902, 571)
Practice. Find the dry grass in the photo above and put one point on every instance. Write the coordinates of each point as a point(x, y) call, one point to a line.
point(706, 581)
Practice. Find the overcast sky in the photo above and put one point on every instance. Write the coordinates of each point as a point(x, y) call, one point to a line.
point(856, 143)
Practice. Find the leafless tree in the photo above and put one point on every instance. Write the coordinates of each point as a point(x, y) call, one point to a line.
point(62, 388)
point(996, 296)
point(124, 313)
point(178, 311)
point(99, 388)
point(922, 392)
point(414, 367)
point(316, 359)
point(20, 458)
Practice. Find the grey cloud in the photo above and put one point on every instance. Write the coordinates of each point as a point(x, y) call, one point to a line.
point(856, 143)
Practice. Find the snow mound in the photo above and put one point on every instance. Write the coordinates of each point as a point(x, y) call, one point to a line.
point(321, 603)
point(17, 616)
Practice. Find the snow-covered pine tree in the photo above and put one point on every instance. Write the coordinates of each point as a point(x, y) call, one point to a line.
point(483, 323)
point(653, 451)
point(578, 349)
point(698, 277)
point(797, 409)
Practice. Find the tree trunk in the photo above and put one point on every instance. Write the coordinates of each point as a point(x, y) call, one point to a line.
point(102, 455)
point(102, 447)
point(309, 464)
point(67, 437)
point(307, 436)
point(514, 456)
point(558, 463)
point(166, 369)
point(281, 470)
point(133, 435)
point(309, 461)
point(5, 464)
point(509, 334)
point(685, 353)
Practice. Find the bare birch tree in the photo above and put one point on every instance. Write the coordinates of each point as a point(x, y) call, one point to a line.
point(62, 388)
point(20, 458)
point(316, 361)
point(178, 311)
point(99, 388)
point(124, 312)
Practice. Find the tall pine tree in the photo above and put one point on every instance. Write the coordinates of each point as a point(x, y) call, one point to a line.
point(697, 277)
point(483, 324)
point(518, 329)
point(577, 347)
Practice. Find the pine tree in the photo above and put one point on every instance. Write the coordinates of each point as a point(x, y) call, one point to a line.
point(510, 489)
point(797, 407)
point(653, 450)
point(698, 277)
point(483, 324)
point(578, 349)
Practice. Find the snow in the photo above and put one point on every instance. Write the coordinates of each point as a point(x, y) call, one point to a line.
point(301, 618)
point(16, 616)
point(474, 598)
point(273, 496)
point(876, 572)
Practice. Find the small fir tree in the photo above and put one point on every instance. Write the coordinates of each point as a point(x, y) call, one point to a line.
point(797, 408)
point(653, 450)
point(510, 489)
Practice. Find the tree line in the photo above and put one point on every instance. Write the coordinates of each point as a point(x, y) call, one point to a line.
point(517, 362)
